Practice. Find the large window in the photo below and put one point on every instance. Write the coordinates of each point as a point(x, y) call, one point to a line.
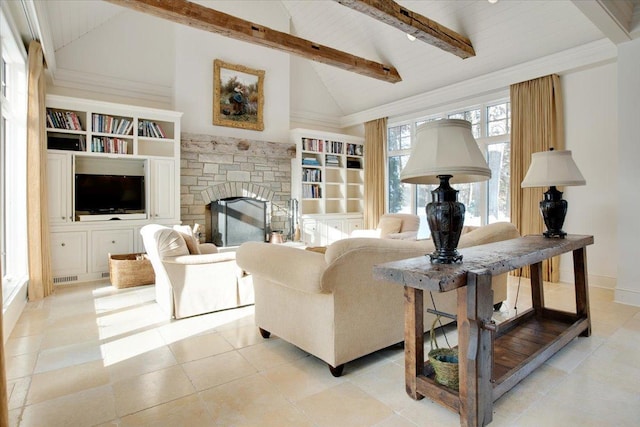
point(485, 202)
point(13, 117)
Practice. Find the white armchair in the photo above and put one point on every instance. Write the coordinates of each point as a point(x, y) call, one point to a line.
point(393, 226)
point(187, 283)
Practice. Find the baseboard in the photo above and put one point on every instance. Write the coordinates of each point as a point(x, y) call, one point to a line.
point(627, 296)
point(566, 276)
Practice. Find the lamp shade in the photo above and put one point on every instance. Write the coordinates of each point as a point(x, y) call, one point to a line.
point(445, 147)
point(551, 168)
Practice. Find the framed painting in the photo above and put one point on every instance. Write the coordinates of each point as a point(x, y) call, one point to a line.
point(238, 98)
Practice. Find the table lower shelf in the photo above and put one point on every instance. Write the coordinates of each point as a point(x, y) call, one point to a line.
point(520, 346)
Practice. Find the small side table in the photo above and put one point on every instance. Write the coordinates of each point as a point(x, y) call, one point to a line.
point(489, 364)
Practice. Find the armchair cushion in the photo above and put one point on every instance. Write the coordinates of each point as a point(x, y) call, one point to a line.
point(187, 234)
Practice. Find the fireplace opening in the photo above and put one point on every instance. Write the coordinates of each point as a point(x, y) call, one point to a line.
point(236, 220)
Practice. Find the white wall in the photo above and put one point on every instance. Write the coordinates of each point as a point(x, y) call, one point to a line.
point(116, 62)
point(628, 173)
point(591, 132)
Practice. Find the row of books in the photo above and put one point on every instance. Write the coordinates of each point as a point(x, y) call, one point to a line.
point(103, 144)
point(310, 144)
point(312, 191)
point(334, 147)
point(150, 129)
point(109, 124)
point(63, 120)
point(311, 175)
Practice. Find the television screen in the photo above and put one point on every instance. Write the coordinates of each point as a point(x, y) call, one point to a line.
point(109, 193)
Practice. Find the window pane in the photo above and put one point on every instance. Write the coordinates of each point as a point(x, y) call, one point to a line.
point(469, 195)
point(399, 193)
point(499, 119)
point(423, 197)
point(498, 159)
point(399, 138)
point(472, 116)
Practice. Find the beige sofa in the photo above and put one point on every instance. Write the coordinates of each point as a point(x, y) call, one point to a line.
point(393, 226)
point(329, 304)
point(189, 282)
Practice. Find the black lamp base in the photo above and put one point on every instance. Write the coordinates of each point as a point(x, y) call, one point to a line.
point(445, 216)
point(553, 209)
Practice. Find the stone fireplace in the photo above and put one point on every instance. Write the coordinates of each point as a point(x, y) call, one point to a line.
point(215, 168)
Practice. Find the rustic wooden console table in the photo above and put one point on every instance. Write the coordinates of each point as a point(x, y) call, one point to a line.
point(492, 358)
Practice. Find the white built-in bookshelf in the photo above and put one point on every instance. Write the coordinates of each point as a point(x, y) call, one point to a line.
point(328, 181)
point(95, 147)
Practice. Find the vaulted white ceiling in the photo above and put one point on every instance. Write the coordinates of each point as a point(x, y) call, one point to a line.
point(504, 34)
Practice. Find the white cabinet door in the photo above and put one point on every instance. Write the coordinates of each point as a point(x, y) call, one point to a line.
point(311, 232)
point(59, 178)
point(163, 189)
point(68, 253)
point(333, 230)
point(105, 242)
point(352, 225)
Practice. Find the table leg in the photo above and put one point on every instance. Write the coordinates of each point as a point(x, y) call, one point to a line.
point(475, 307)
point(582, 287)
point(537, 288)
point(413, 339)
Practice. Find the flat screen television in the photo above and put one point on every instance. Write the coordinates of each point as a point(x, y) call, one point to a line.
point(99, 194)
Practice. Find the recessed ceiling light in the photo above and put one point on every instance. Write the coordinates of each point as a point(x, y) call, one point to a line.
point(411, 38)
point(493, 1)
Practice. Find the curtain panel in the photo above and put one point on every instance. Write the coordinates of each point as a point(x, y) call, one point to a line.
point(537, 124)
point(375, 145)
point(40, 275)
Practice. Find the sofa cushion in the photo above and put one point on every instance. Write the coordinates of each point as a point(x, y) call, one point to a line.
point(389, 225)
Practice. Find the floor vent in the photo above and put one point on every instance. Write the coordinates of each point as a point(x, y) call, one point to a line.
point(65, 279)
point(105, 275)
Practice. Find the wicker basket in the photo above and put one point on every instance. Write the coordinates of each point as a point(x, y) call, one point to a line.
point(129, 270)
point(444, 361)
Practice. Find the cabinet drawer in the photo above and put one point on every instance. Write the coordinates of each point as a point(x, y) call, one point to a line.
point(68, 253)
point(105, 242)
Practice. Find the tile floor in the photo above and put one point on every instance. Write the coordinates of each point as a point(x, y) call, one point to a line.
point(92, 355)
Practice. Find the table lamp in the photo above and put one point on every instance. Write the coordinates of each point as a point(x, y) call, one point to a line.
point(445, 152)
point(553, 168)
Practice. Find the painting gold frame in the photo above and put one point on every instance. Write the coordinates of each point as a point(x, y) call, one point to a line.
point(238, 96)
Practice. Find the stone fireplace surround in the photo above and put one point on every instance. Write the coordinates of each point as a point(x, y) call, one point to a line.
point(214, 167)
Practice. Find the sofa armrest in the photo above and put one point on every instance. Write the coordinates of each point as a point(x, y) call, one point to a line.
point(200, 259)
point(291, 267)
point(365, 233)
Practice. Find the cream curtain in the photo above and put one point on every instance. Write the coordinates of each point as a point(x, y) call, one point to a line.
point(537, 124)
point(375, 137)
point(40, 276)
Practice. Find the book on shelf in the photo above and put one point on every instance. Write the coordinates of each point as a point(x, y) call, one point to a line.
point(332, 160)
point(147, 128)
point(312, 175)
point(311, 191)
point(109, 124)
point(68, 120)
point(310, 161)
point(103, 144)
point(312, 144)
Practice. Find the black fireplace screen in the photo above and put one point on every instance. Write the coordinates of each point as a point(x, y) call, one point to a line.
point(239, 219)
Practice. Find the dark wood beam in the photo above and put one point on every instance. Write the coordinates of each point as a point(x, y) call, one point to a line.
point(421, 27)
point(197, 16)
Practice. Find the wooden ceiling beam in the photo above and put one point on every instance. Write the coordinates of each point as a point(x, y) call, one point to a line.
point(421, 27)
point(203, 18)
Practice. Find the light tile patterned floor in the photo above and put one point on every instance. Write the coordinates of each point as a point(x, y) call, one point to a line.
point(92, 355)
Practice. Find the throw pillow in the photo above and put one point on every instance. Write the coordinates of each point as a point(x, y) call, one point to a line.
point(389, 225)
point(189, 238)
point(319, 249)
